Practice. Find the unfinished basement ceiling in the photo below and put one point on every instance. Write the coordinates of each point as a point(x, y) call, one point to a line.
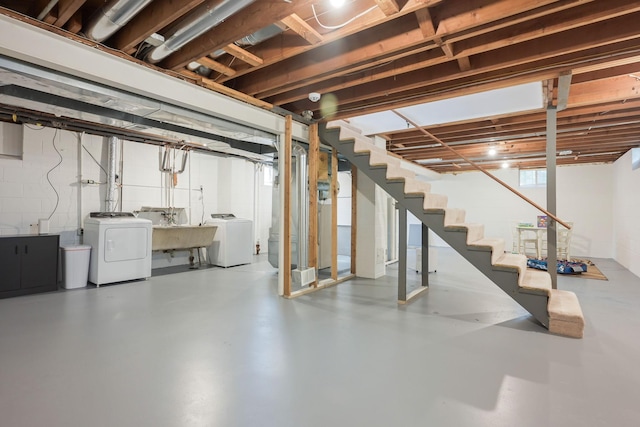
point(371, 56)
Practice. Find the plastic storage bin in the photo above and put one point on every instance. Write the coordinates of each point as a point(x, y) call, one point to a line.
point(75, 266)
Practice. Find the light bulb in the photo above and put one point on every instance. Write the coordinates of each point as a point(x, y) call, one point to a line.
point(505, 165)
point(492, 151)
point(337, 3)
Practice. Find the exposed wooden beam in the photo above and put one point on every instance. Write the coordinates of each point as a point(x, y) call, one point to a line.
point(155, 17)
point(209, 44)
point(66, 9)
point(464, 63)
point(426, 58)
point(314, 152)
point(425, 22)
point(334, 214)
point(217, 87)
point(358, 53)
point(74, 24)
point(52, 16)
point(253, 18)
point(243, 55)
point(216, 66)
point(286, 234)
point(614, 88)
point(304, 30)
point(389, 7)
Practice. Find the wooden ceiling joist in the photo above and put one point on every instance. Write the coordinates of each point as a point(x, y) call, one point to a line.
point(304, 30)
point(243, 55)
point(216, 66)
point(151, 20)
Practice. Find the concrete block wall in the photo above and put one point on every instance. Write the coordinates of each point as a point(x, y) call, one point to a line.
point(26, 196)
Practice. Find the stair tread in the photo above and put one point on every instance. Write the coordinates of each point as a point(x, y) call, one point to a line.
point(565, 314)
point(464, 225)
point(535, 280)
point(487, 242)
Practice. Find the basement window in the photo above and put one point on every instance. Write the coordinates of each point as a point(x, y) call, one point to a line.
point(533, 178)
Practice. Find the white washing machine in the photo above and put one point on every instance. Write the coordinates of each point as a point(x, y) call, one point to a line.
point(233, 242)
point(120, 247)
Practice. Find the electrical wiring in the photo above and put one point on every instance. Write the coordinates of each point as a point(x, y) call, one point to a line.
point(51, 170)
point(337, 27)
point(33, 127)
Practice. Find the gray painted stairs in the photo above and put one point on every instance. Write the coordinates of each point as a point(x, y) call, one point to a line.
point(557, 310)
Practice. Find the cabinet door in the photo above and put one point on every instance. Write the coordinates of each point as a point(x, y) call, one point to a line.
point(9, 264)
point(40, 262)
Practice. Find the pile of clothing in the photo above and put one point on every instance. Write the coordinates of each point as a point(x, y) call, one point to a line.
point(564, 267)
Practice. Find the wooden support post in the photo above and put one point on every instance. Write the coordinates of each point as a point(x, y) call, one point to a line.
point(314, 151)
point(286, 188)
point(402, 256)
point(354, 216)
point(425, 256)
point(334, 214)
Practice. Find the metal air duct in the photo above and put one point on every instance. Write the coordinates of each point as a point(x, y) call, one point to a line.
point(113, 16)
point(110, 200)
point(303, 205)
point(195, 26)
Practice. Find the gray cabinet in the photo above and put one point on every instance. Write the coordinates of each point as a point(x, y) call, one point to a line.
point(28, 265)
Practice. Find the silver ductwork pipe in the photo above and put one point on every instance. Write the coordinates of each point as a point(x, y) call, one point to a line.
point(260, 35)
point(196, 25)
point(113, 16)
point(300, 155)
point(253, 39)
point(110, 200)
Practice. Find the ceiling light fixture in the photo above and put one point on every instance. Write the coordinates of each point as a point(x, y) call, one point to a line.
point(505, 165)
point(337, 3)
point(492, 151)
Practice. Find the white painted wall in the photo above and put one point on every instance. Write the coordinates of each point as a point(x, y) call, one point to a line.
point(25, 195)
point(626, 211)
point(584, 197)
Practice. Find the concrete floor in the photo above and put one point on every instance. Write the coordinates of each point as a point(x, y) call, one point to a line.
point(217, 347)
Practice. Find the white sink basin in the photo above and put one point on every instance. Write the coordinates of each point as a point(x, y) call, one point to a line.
point(182, 236)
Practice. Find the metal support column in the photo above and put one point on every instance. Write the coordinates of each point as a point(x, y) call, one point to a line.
point(402, 256)
point(551, 195)
point(425, 255)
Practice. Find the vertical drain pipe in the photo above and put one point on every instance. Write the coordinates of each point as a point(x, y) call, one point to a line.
point(303, 205)
point(110, 201)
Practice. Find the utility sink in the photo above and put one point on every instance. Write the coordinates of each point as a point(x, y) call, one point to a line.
point(168, 237)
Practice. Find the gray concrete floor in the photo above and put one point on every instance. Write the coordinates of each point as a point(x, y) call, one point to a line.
point(217, 347)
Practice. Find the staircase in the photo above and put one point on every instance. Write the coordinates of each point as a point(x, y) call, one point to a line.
point(557, 310)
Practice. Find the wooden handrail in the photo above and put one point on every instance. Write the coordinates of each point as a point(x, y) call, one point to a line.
point(484, 171)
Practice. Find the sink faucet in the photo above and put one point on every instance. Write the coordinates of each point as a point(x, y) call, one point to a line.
point(169, 217)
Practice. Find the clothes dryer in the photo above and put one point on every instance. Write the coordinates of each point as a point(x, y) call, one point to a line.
point(120, 247)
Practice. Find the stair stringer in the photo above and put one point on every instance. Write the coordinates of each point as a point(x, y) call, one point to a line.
point(504, 277)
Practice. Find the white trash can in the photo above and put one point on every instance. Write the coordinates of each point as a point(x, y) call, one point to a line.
point(75, 266)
